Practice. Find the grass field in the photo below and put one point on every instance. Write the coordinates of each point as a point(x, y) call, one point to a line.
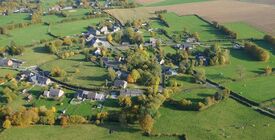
point(172, 2)
point(4, 71)
point(196, 95)
point(191, 23)
point(239, 58)
point(77, 132)
point(244, 30)
point(14, 18)
point(90, 75)
point(32, 56)
point(226, 120)
point(257, 89)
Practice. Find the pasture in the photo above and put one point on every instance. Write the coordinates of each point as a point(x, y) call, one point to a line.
point(191, 23)
point(244, 30)
point(78, 132)
point(90, 75)
point(226, 120)
point(257, 89)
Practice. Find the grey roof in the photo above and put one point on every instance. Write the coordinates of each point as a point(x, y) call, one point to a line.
point(119, 83)
point(131, 92)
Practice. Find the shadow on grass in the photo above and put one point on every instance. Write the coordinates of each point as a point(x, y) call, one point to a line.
point(40, 50)
point(117, 127)
point(241, 54)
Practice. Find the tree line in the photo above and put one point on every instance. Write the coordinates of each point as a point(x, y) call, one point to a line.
point(225, 30)
point(256, 51)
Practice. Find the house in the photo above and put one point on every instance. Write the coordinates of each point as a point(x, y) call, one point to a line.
point(97, 52)
point(121, 74)
point(154, 41)
point(120, 84)
point(39, 80)
point(55, 8)
point(82, 95)
point(104, 30)
point(92, 30)
point(53, 93)
point(111, 63)
point(67, 8)
point(161, 61)
point(95, 42)
point(24, 75)
point(130, 92)
point(191, 40)
point(171, 71)
point(184, 46)
point(17, 63)
point(4, 62)
point(29, 98)
point(115, 29)
point(237, 46)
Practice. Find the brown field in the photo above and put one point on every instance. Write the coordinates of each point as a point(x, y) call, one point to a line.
point(261, 1)
point(224, 11)
point(147, 1)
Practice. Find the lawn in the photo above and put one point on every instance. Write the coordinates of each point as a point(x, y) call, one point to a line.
point(257, 89)
point(90, 75)
point(195, 95)
point(226, 120)
point(172, 2)
point(191, 23)
point(244, 30)
point(77, 132)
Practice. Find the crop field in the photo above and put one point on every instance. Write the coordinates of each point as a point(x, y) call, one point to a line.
point(261, 1)
point(205, 30)
point(223, 11)
point(172, 2)
point(90, 75)
point(226, 120)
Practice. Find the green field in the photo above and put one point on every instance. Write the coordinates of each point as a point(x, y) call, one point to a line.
point(77, 132)
point(4, 71)
point(239, 58)
point(257, 89)
point(172, 2)
point(245, 31)
point(196, 95)
point(90, 75)
point(191, 23)
point(226, 120)
point(14, 18)
point(32, 56)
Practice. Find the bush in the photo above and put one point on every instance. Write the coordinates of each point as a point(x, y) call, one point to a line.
point(76, 119)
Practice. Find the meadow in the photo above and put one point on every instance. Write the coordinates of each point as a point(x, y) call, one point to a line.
point(244, 30)
point(78, 132)
point(226, 120)
point(90, 75)
point(192, 23)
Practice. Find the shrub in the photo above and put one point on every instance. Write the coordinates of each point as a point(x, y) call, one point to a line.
point(256, 51)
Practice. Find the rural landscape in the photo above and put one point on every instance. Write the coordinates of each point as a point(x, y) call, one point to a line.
point(137, 69)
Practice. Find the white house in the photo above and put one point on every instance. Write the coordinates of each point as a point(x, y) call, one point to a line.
point(53, 93)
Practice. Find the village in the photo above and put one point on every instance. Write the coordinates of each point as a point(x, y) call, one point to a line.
point(83, 64)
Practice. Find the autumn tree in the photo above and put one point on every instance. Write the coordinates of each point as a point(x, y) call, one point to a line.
point(146, 123)
point(125, 101)
point(7, 124)
point(268, 70)
point(111, 74)
point(109, 38)
point(36, 17)
point(135, 75)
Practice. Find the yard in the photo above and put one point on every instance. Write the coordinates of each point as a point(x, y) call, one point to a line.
point(90, 75)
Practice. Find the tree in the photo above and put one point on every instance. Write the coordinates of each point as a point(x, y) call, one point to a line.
point(200, 75)
point(125, 101)
point(6, 124)
point(241, 72)
point(196, 36)
point(268, 70)
point(130, 79)
point(111, 74)
point(110, 38)
point(135, 75)
point(64, 121)
point(36, 17)
point(67, 41)
point(146, 123)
